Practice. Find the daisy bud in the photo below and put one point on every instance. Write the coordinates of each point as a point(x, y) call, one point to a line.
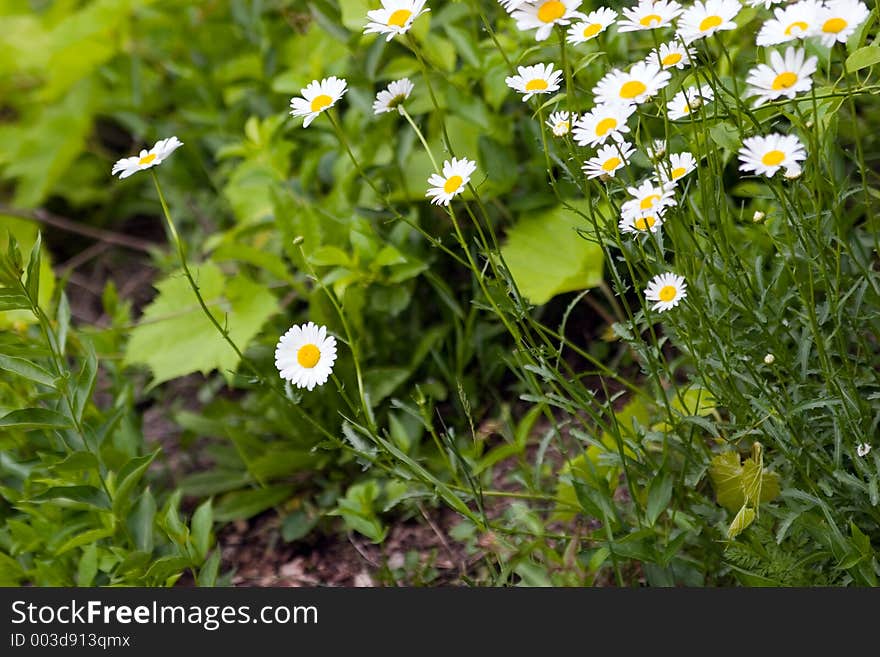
point(862, 449)
point(758, 217)
point(769, 359)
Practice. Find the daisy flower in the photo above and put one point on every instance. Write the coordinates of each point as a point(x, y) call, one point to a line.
point(785, 76)
point(593, 24)
point(673, 55)
point(544, 14)
point(392, 98)
point(640, 225)
point(838, 19)
point(656, 149)
point(146, 158)
point(677, 167)
point(704, 19)
point(317, 97)
point(667, 290)
point(560, 122)
point(602, 122)
point(537, 79)
point(766, 155)
point(608, 160)
point(689, 100)
point(649, 15)
point(763, 3)
point(305, 355)
point(456, 175)
point(862, 449)
point(395, 17)
point(647, 199)
point(641, 83)
point(791, 22)
point(510, 5)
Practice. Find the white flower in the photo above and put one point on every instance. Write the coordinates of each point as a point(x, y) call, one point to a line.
point(602, 122)
point(544, 14)
point(656, 149)
point(456, 175)
point(537, 79)
point(395, 17)
point(593, 24)
point(305, 355)
point(667, 290)
point(648, 15)
point(560, 122)
point(785, 76)
point(647, 199)
point(838, 19)
point(763, 3)
point(766, 155)
point(791, 22)
point(704, 19)
point(608, 160)
point(317, 97)
point(862, 449)
point(649, 223)
point(510, 5)
point(769, 359)
point(673, 55)
point(689, 100)
point(146, 159)
point(392, 98)
point(640, 84)
point(678, 166)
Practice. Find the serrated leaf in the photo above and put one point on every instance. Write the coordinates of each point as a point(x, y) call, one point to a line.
point(547, 257)
point(175, 338)
point(743, 519)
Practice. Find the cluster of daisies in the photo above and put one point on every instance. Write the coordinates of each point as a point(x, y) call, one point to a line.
point(305, 354)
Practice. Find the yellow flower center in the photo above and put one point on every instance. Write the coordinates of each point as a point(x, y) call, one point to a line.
point(648, 202)
point(650, 20)
point(686, 109)
point(592, 29)
point(147, 159)
point(320, 102)
point(308, 355)
point(632, 89)
point(551, 11)
point(644, 223)
point(709, 22)
point(772, 158)
point(562, 126)
point(611, 163)
point(784, 80)
point(452, 184)
point(396, 101)
point(399, 17)
point(605, 125)
point(667, 293)
point(678, 172)
point(800, 26)
point(538, 84)
point(834, 25)
point(671, 59)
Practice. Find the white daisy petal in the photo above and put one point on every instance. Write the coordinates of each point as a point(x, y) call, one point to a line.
point(146, 159)
point(305, 355)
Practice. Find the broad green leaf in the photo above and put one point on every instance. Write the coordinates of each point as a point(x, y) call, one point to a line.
point(175, 338)
point(85, 538)
point(85, 382)
point(85, 494)
point(208, 571)
point(742, 520)
point(731, 482)
point(32, 279)
point(381, 382)
point(88, 566)
point(13, 301)
point(140, 522)
point(34, 418)
point(27, 369)
point(11, 572)
point(247, 503)
point(862, 58)
point(659, 494)
point(547, 257)
point(297, 525)
point(128, 478)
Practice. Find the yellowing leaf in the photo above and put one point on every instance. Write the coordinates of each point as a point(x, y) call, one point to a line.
point(175, 338)
point(738, 484)
point(547, 257)
point(742, 520)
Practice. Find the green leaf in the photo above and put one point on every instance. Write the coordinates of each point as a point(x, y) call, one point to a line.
point(34, 418)
point(27, 369)
point(738, 484)
point(208, 571)
point(659, 494)
point(248, 503)
point(140, 522)
point(88, 566)
point(297, 525)
point(85, 494)
point(85, 538)
point(202, 522)
point(862, 58)
point(742, 520)
point(11, 572)
point(128, 478)
point(175, 338)
point(33, 269)
point(547, 257)
point(85, 382)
